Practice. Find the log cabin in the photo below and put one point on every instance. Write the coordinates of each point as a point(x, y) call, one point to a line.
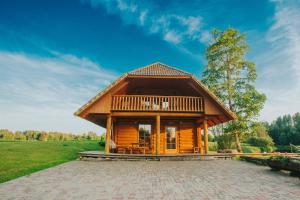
point(156, 109)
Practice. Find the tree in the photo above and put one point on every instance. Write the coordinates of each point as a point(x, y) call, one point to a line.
point(231, 78)
point(19, 135)
point(285, 130)
point(6, 134)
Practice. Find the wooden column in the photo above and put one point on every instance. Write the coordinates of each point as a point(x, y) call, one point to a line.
point(157, 134)
point(205, 136)
point(108, 131)
point(199, 139)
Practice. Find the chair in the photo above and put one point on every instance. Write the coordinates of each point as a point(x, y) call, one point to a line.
point(196, 149)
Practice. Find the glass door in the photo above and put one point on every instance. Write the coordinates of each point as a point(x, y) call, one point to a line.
point(171, 141)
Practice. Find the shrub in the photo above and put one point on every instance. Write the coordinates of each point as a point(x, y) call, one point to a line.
point(265, 143)
point(250, 149)
point(224, 141)
point(212, 146)
point(102, 143)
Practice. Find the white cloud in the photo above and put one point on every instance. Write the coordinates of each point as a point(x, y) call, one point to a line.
point(143, 16)
point(176, 29)
point(43, 93)
point(124, 6)
point(280, 74)
point(173, 37)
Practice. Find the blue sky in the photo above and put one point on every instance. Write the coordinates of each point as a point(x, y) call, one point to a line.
point(56, 55)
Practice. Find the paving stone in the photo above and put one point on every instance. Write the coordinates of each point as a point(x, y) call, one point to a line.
point(218, 179)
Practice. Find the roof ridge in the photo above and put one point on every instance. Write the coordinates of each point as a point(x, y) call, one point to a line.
point(172, 67)
point(156, 69)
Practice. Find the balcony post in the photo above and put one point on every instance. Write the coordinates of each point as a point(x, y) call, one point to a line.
point(108, 131)
point(157, 134)
point(205, 136)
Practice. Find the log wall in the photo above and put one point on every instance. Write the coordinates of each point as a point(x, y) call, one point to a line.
point(126, 132)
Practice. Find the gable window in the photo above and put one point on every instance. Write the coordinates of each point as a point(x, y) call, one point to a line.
point(145, 135)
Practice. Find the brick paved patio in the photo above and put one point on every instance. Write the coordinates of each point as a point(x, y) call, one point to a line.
point(223, 179)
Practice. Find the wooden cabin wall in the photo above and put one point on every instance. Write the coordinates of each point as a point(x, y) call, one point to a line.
point(187, 138)
point(126, 132)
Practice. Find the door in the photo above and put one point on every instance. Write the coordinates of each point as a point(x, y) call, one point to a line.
point(171, 139)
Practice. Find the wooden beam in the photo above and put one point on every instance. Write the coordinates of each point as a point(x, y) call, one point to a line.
point(205, 136)
point(108, 131)
point(199, 139)
point(157, 134)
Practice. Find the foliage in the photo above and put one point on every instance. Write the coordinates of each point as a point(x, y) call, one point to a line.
point(285, 130)
point(31, 135)
point(232, 78)
point(287, 149)
point(225, 141)
point(19, 158)
point(282, 159)
point(250, 149)
point(102, 141)
point(259, 129)
point(212, 146)
point(265, 143)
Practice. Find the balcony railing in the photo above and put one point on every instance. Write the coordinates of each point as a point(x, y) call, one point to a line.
point(157, 103)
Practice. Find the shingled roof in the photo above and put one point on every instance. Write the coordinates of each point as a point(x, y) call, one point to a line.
point(158, 69)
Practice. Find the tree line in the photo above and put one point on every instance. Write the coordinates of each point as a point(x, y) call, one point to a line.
point(33, 135)
point(285, 130)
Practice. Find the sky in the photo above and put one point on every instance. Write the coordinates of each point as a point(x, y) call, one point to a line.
point(55, 55)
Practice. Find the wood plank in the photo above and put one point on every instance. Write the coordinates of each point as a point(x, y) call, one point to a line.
point(108, 131)
point(205, 136)
point(157, 134)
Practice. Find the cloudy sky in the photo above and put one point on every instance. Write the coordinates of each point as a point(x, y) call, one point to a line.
point(56, 55)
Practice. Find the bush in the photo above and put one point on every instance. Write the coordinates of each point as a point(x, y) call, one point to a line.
point(265, 143)
point(212, 146)
point(224, 141)
point(102, 143)
point(250, 149)
point(283, 159)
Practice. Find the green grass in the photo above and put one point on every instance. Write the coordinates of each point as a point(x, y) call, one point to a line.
point(23, 158)
point(250, 149)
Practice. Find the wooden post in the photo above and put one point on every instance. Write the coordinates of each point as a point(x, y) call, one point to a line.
point(157, 134)
point(199, 139)
point(205, 136)
point(108, 130)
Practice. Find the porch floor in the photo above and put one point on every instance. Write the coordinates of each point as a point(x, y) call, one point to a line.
point(99, 155)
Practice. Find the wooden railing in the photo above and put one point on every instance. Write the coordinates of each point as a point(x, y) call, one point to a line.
point(157, 103)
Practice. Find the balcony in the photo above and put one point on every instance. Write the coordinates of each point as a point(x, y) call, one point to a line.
point(157, 103)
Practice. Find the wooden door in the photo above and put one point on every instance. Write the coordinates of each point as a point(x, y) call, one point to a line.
point(171, 139)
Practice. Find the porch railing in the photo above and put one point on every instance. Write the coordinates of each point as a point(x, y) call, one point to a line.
point(157, 103)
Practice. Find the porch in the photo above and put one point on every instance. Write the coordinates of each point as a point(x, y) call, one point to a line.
point(156, 134)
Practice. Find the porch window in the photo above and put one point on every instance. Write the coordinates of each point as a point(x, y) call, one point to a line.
point(145, 135)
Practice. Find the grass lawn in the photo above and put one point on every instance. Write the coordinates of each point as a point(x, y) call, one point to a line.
point(247, 148)
point(19, 158)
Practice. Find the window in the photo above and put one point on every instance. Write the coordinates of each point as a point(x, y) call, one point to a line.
point(171, 137)
point(145, 135)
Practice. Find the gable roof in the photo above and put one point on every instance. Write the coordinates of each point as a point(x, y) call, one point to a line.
point(157, 69)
